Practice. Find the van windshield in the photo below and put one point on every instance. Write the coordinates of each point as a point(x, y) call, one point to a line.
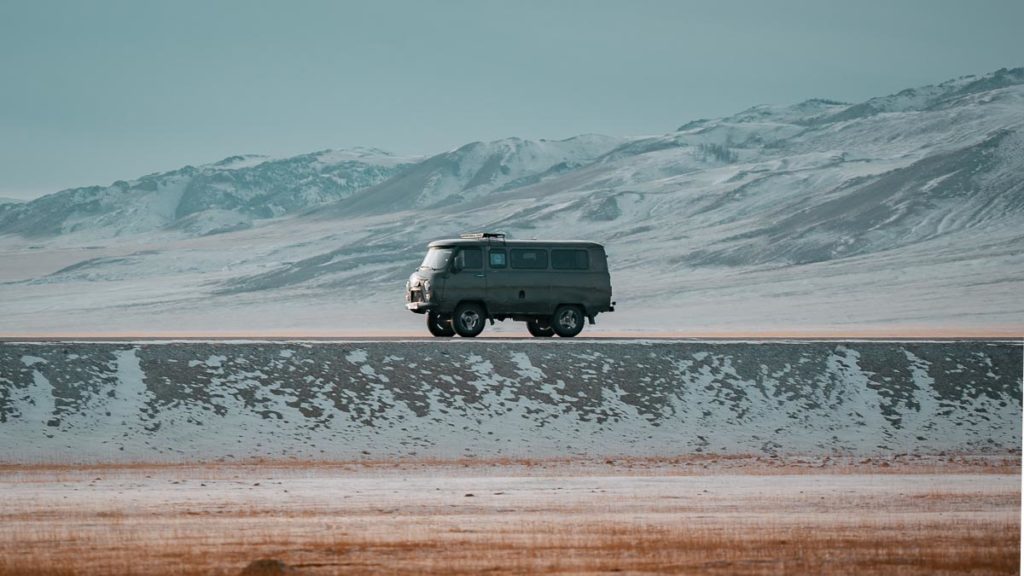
point(437, 258)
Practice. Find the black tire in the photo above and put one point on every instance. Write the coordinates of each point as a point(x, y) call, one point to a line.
point(440, 325)
point(469, 319)
point(539, 329)
point(567, 321)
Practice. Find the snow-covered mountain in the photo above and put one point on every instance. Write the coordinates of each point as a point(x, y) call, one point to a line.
point(214, 198)
point(479, 170)
point(904, 210)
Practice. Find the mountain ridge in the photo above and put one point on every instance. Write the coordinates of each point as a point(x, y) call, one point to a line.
point(236, 190)
point(241, 188)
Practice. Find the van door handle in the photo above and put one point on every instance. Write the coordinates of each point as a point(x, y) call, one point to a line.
point(479, 275)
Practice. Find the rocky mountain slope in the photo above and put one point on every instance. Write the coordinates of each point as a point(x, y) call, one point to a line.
point(902, 211)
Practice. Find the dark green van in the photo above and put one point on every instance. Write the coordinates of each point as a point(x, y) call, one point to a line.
point(553, 286)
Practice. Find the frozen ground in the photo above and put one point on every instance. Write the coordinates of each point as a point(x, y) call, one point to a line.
point(703, 515)
point(194, 401)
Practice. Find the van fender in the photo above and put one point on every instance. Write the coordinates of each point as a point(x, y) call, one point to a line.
point(487, 313)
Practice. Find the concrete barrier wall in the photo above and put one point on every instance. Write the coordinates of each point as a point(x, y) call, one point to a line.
point(202, 401)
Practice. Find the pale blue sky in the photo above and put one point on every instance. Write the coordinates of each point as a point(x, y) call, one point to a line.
point(94, 91)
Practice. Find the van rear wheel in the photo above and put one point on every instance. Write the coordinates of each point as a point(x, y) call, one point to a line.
point(539, 329)
point(567, 321)
point(440, 325)
point(468, 320)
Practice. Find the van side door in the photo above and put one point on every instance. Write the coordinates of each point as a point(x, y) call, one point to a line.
point(530, 280)
point(468, 279)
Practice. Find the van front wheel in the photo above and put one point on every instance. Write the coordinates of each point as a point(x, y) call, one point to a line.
point(440, 325)
point(567, 321)
point(468, 320)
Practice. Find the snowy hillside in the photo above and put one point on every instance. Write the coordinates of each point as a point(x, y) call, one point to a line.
point(900, 213)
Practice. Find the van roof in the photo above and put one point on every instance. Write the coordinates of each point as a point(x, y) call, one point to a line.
point(513, 243)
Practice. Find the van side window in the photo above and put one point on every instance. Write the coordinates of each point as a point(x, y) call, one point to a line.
point(570, 260)
point(472, 258)
point(498, 259)
point(529, 258)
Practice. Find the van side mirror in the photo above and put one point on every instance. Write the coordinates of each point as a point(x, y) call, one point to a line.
point(458, 263)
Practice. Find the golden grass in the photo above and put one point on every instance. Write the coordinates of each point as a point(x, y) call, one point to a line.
point(190, 520)
point(533, 547)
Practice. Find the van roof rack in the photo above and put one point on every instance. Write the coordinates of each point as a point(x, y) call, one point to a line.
point(480, 235)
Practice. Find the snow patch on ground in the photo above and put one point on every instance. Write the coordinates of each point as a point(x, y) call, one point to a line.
point(182, 401)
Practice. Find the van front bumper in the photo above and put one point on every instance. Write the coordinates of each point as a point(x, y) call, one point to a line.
point(420, 307)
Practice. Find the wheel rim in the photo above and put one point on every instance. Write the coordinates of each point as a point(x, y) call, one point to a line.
point(469, 319)
point(568, 320)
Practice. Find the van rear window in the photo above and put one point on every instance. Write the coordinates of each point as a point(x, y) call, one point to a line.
point(529, 258)
point(570, 260)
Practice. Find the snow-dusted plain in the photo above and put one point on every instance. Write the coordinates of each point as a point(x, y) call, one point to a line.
point(68, 402)
point(901, 214)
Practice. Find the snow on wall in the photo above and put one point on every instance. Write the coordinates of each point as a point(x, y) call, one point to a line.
point(192, 401)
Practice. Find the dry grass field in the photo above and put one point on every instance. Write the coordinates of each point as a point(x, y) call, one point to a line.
point(685, 516)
